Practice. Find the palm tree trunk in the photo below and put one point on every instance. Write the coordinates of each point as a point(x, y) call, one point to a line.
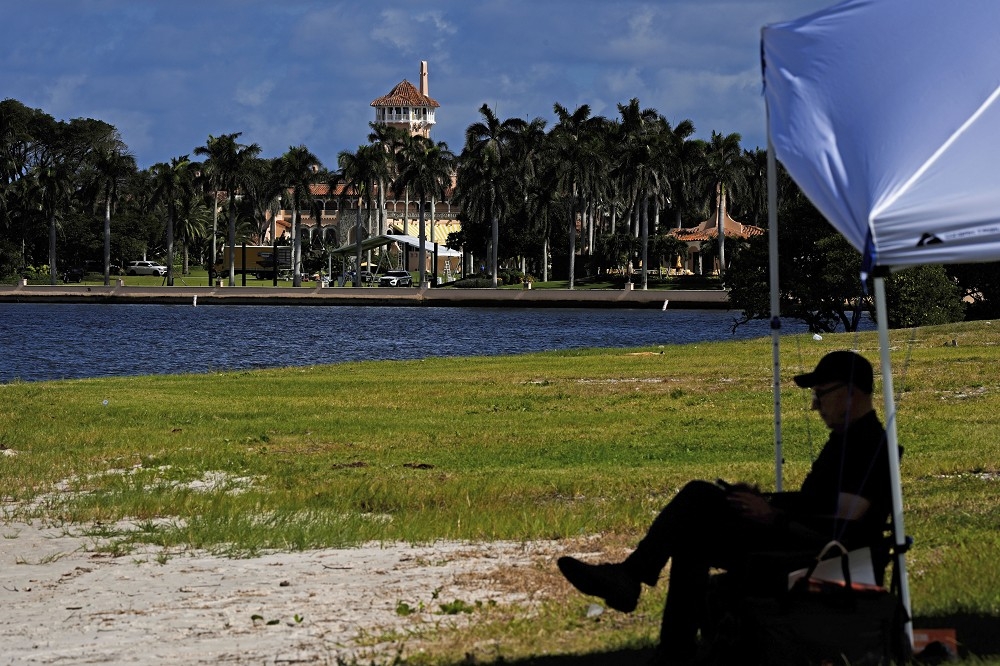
point(52, 247)
point(406, 214)
point(215, 232)
point(170, 244)
point(433, 235)
point(107, 241)
point(382, 221)
point(545, 258)
point(423, 243)
point(645, 241)
point(572, 242)
point(720, 214)
point(296, 245)
point(590, 228)
point(494, 242)
point(231, 238)
point(357, 250)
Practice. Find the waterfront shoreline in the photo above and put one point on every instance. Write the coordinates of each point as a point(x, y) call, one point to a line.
point(331, 296)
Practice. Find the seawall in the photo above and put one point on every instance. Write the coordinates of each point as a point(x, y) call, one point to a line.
point(415, 297)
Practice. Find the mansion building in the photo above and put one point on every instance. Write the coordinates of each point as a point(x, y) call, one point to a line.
point(334, 218)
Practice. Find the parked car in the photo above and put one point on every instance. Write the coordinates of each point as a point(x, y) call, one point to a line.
point(74, 275)
point(366, 277)
point(145, 268)
point(396, 279)
point(97, 268)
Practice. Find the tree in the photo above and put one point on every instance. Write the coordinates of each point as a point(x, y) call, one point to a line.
point(227, 165)
point(193, 217)
point(533, 193)
point(169, 181)
point(685, 158)
point(113, 164)
point(485, 161)
point(579, 164)
point(54, 183)
point(426, 170)
point(820, 276)
point(922, 296)
point(724, 172)
point(299, 169)
point(391, 139)
point(262, 189)
point(980, 288)
point(819, 272)
point(362, 170)
point(642, 149)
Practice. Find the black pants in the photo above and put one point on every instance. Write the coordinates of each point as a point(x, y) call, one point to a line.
point(698, 531)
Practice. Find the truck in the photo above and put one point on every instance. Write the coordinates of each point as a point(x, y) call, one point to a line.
point(259, 261)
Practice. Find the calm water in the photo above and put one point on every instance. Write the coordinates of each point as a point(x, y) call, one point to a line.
point(58, 341)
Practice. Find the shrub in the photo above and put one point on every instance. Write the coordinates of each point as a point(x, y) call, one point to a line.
point(473, 282)
point(515, 277)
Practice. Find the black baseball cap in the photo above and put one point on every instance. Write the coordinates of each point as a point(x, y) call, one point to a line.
point(840, 366)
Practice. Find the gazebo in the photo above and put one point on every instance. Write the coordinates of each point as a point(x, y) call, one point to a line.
point(708, 230)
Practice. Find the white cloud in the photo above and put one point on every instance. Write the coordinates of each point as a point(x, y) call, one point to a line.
point(62, 96)
point(255, 95)
point(625, 82)
point(412, 32)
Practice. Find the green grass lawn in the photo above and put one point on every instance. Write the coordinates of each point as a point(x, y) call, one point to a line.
point(544, 446)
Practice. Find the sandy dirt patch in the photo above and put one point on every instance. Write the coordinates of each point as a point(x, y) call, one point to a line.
point(65, 603)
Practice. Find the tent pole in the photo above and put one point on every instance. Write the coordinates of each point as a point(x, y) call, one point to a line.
point(898, 529)
point(772, 239)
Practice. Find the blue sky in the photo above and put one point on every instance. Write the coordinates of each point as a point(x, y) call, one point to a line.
point(168, 73)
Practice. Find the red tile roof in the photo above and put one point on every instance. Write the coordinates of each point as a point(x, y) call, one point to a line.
point(709, 229)
point(404, 94)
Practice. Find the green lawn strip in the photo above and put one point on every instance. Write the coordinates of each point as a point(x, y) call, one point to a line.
point(553, 445)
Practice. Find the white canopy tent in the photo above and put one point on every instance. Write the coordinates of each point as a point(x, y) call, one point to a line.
point(886, 114)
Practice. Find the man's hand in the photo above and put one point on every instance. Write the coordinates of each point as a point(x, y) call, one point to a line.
point(748, 503)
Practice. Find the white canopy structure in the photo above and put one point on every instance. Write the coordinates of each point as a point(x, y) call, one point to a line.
point(886, 114)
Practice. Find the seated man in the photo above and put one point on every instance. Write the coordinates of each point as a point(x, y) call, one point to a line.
point(846, 496)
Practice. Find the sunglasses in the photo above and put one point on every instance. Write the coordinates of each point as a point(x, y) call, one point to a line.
point(819, 394)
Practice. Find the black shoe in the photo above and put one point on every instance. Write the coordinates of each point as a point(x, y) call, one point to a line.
point(610, 582)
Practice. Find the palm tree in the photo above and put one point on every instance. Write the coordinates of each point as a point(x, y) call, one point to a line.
point(725, 169)
point(226, 166)
point(579, 164)
point(525, 175)
point(427, 170)
point(640, 163)
point(193, 218)
point(113, 164)
point(391, 139)
point(169, 181)
point(685, 157)
point(361, 171)
point(262, 188)
point(54, 182)
point(299, 169)
point(485, 158)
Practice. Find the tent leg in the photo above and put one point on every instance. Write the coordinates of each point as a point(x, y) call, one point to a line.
point(772, 226)
point(898, 528)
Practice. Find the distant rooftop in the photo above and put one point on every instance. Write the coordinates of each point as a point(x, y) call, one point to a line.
point(405, 94)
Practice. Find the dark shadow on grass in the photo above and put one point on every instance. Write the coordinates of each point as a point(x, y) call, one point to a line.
point(978, 635)
point(614, 658)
